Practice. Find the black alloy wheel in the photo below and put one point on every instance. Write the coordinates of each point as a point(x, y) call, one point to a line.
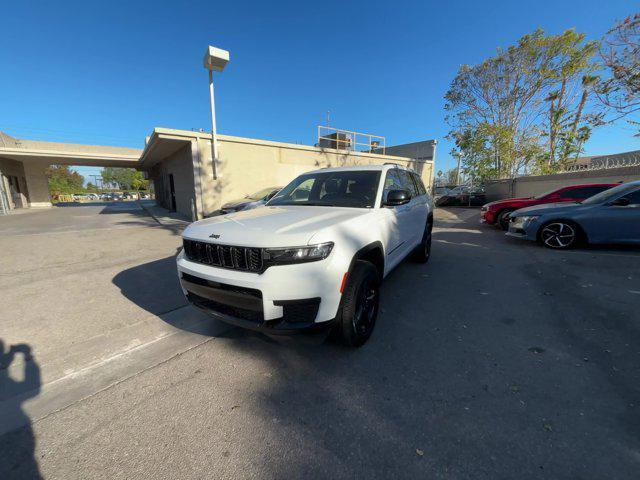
point(366, 308)
point(360, 304)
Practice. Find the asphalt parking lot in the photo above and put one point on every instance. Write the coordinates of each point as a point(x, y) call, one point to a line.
point(497, 359)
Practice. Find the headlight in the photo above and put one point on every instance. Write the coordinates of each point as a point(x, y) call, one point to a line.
point(289, 255)
point(524, 220)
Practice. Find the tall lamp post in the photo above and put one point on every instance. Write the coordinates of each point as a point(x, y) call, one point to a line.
point(215, 59)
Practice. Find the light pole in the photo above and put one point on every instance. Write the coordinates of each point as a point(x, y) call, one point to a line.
point(215, 59)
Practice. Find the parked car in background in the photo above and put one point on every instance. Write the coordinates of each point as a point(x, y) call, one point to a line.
point(611, 216)
point(439, 192)
point(497, 213)
point(463, 196)
point(250, 201)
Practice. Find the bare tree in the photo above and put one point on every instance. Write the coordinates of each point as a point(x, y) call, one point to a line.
point(620, 54)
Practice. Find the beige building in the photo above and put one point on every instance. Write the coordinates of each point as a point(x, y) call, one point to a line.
point(179, 163)
point(180, 166)
point(23, 183)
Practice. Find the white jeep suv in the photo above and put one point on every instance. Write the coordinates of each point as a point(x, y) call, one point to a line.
point(313, 257)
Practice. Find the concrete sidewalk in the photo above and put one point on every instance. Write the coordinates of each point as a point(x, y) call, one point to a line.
point(163, 216)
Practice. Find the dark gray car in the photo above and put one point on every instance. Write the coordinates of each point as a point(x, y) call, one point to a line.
point(612, 216)
point(250, 201)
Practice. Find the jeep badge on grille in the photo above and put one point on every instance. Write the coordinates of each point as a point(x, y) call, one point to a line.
point(214, 235)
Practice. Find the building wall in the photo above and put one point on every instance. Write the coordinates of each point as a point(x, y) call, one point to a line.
point(180, 165)
point(535, 185)
point(14, 168)
point(247, 165)
point(37, 184)
point(425, 150)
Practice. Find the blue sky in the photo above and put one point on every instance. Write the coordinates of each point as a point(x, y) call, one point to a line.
point(109, 74)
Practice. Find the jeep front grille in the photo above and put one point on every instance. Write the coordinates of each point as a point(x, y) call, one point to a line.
point(224, 256)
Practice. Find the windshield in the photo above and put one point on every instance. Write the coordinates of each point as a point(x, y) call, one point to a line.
point(610, 194)
point(356, 189)
point(260, 194)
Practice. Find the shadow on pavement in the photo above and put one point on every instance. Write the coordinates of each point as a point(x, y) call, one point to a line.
point(476, 369)
point(153, 286)
point(17, 446)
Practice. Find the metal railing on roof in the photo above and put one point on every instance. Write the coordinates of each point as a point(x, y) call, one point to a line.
point(329, 137)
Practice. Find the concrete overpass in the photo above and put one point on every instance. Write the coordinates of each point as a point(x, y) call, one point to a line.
point(23, 162)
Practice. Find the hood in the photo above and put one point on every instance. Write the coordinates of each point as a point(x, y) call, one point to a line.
point(548, 208)
point(282, 226)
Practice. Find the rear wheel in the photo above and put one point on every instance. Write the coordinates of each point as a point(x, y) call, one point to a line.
point(503, 219)
point(422, 253)
point(359, 309)
point(559, 234)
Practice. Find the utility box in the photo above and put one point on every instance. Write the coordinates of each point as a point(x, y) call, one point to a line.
point(337, 140)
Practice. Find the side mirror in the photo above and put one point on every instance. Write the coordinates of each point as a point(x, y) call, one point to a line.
point(397, 197)
point(271, 195)
point(620, 202)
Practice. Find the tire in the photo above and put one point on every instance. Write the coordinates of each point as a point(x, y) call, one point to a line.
point(560, 234)
point(422, 253)
point(360, 304)
point(503, 219)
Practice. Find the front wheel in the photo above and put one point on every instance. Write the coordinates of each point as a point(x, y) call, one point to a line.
point(359, 309)
point(503, 219)
point(559, 234)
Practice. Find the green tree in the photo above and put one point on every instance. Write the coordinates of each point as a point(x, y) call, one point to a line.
point(451, 176)
point(572, 75)
point(63, 180)
point(123, 178)
point(139, 182)
point(497, 108)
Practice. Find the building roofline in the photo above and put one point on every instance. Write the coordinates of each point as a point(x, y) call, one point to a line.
point(188, 135)
point(67, 153)
point(433, 142)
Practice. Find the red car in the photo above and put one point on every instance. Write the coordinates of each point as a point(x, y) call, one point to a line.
point(498, 212)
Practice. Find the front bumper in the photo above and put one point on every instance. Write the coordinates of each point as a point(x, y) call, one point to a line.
point(487, 216)
point(283, 299)
point(528, 231)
